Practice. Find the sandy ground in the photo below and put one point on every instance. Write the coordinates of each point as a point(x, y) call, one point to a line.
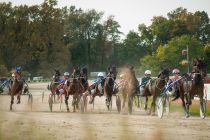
point(40, 124)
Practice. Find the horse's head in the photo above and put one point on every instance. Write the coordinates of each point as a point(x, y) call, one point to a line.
point(56, 76)
point(76, 72)
point(164, 74)
point(130, 77)
point(199, 66)
point(84, 76)
point(112, 71)
point(14, 74)
point(84, 72)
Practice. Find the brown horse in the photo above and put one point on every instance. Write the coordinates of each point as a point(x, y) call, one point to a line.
point(155, 87)
point(16, 87)
point(129, 87)
point(54, 83)
point(192, 85)
point(75, 88)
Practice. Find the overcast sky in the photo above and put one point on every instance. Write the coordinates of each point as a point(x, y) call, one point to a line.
point(129, 13)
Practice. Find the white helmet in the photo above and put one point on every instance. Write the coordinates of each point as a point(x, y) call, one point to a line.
point(148, 72)
point(66, 74)
point(121, 75)
point(175, 71)
point(100, 74)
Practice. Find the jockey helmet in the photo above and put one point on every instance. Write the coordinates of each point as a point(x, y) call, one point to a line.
point(175, 71)
point(18, 69)
point(66, 74)
point(100, 74)
point(121, 75)
point(147, 72)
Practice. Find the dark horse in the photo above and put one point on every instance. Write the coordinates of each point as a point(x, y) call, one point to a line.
point(16, 87)
point(84, 78)
point(74, 87)
point(155, 87)
point(109, 85)
point(130, 87)
point(192, 85)
point(54, 83)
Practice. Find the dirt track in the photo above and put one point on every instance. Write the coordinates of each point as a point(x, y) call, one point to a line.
point(40, 123)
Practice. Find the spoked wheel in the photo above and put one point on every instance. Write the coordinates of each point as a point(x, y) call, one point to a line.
point(109, 102)
point(42, 96)
point(93, 103)
point(167, 105)
point(142, 101)
point(61, 100)
point(118, 103)
point(83, 104)
point(130, 104)
point(30, 99)
point(159, 107)
point(50, 102)
point(203, 109)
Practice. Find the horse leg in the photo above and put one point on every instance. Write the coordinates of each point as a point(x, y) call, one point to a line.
point(124, 98)
point(74, 103)
point(66, 102)
point(186, 111)
point(202, 106)
point(92, 97)
point(153, 104)
point(108, 100)
point(146, 101)
point(12, 101)
point(145, 93)
point(77, 102)
point(54, 94)
point(18, 98)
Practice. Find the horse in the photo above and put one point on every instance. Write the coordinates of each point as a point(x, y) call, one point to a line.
point(129, 87)
point(16, 87)
point(191, 85)
point(155, 87)
point(109, 85)
point(84, 78)
point(54, 83)
point(73, 87)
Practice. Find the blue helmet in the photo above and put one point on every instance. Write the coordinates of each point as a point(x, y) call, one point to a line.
point(18, 69)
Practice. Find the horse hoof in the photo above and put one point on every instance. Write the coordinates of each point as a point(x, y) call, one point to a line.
point(18, 102)
point(152, 114)
point(91, 101)
point(203, 117)
point(187, 116)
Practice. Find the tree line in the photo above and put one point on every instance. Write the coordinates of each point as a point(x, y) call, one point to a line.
point(43, 37)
